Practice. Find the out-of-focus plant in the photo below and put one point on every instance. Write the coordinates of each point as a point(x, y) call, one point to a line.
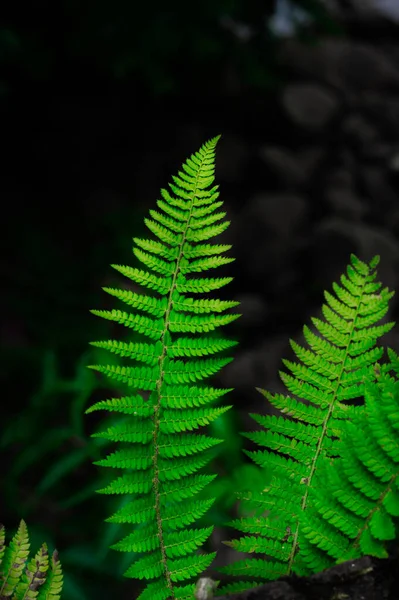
point(158, 45)
point(49, 478)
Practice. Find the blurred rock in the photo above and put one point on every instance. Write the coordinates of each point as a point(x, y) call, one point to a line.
point(345, 64)
point(293, 168)
point(362, 579)
point(267, 231)
point(341, 196)
point(309, 105)
point(253, 308)
point(233, 157)
point(358, 129)
point(367, 241)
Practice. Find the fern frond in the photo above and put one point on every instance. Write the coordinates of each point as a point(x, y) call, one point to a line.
point(334, 368)
point(355, 501)
point(36, 579)
point(159, 458)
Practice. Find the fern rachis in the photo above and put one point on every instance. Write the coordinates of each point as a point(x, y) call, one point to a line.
point(333, 370)
point(160, 457)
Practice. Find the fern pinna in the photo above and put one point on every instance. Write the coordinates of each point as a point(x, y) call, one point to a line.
point(160, 458)
point(331, 372)
point(355, 499)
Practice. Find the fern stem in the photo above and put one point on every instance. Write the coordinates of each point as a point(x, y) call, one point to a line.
point(157, 408)
point(308, 482)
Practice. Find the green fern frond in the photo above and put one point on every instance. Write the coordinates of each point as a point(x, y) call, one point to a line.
point(355, 501)
point(333, 369)
point(161, 459)
point(37, 579)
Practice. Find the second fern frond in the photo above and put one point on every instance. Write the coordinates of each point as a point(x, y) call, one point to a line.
point(330, 372)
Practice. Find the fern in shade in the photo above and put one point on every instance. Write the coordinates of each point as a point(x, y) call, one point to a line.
point(355, 501)
point(38, 579)
point(172, 350)
point(332, 371)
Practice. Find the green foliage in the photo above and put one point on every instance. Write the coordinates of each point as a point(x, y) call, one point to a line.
point(37, 580)
point(48, 475)
point(160, 458)
point(318, 495)
point(333, 371)
point(44, 439)
point(355, 498)
point(156, 46)
point(48, 455)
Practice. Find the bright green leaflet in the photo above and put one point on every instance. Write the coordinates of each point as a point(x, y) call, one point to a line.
point(160, 458)
point(332, 371)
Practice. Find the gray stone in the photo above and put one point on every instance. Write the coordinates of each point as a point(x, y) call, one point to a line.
point(366, 241)
point(384, 109)
point(377, 186)
point(232, 157)
point(357, 128)
point(341, 196)
point(365, 67)
point(257, 367)
point(364, 578)
point(267, 234)
point(372, 8)
point(344, 203)
point(294, 169)
point(343, 63)
point(309, 105)
point(281, 212)
point(239, 373)
point(253, 308)
point(394, 161)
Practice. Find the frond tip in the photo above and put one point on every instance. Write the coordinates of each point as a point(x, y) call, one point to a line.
point(21, 580)
point(172, 342)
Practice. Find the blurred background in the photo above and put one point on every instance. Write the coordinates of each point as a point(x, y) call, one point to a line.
point(100, 103)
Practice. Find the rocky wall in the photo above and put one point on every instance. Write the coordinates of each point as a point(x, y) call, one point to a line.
point(332, 189)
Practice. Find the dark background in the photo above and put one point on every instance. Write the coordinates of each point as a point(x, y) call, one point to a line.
point(100, 104)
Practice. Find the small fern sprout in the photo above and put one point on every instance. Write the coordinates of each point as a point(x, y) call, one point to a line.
point(20, 580)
